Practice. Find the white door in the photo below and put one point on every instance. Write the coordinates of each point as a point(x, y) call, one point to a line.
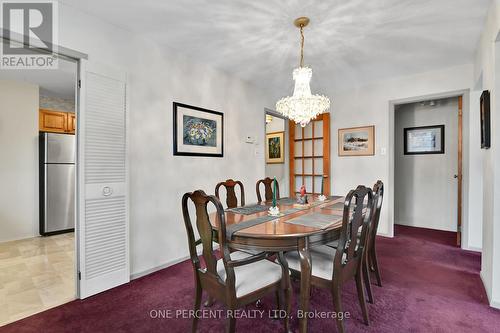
point(102, 227)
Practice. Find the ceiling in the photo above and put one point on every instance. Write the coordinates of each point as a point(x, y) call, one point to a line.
point(60, 82)
point(347, 42)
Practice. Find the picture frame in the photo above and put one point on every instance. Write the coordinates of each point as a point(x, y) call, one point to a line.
point(275, 147)
point(485, 120)
point(424, 140)
point(356, 141)
point(197, 131)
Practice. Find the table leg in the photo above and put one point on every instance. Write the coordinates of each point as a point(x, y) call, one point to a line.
point(305, 282)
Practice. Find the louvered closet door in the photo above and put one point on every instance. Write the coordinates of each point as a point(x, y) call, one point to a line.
point(310, 156)
point(103, 207)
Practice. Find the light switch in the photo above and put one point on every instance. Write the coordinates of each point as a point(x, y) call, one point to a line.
point(250, 139)
point(383, 151)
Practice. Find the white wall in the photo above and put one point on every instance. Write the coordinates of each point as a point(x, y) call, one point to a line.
point(487, 77)
point(278, 170)
point(57, 103)
point(19, 155)
point(425, 192)
point(158, 77)
point(371, 105)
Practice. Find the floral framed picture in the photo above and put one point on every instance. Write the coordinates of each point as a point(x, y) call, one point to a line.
point(198, 131)
point(275, 147)
point(357, 141)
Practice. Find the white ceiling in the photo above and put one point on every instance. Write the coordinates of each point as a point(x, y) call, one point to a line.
point(58, 82)
point(347, 43)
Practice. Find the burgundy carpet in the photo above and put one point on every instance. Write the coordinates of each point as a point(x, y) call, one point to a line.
point(429, 286)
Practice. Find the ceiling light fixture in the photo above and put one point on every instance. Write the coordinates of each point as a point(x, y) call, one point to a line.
point(302, 106)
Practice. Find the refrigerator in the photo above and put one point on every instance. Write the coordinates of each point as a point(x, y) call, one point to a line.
point(57, 183)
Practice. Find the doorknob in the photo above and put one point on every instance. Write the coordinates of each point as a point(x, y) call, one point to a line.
point(455, 176)
point(107, 191)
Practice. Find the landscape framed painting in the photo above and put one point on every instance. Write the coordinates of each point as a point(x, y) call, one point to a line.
point(424, 140)
point(357, 141)
point(198, 131)
point(275, 145)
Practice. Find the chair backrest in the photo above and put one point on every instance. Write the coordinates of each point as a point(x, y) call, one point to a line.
point(349, 254)
point(205, 230)
point(378, 198)
point(231, 199)
point(268, 189)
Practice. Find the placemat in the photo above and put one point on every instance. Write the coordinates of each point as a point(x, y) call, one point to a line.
point(287, 201)
point(335, 206)
point(316, 220)
point(248, 210)
point(232, 228)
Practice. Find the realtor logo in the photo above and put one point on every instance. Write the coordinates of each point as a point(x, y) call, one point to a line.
point(30, 33)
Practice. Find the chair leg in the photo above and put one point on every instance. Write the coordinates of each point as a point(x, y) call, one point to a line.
point(366, 276)
point(209, 302)
point(231, 324)
point(288, 306)
point(337, 305)
point(197, 305)
point(361, 298)
point(375, 267)
point(278, 296)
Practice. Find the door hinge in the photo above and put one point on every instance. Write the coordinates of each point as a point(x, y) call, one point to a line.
point(79, 83)
point(80, 276)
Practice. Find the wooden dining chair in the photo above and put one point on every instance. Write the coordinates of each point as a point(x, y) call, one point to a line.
point(268, 189)
point(236, 279)
point(332, 267)
point(231, 199)
point(378, 190)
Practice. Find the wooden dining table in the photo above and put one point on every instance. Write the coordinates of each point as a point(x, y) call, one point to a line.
point(278, 236)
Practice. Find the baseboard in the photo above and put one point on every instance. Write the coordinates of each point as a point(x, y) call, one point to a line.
point(472, 248)
point(488, 292)
point(495, 304)
point(157, 268)
point(165, 265)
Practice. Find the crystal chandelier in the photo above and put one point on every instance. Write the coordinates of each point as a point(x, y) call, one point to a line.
point(303, 106)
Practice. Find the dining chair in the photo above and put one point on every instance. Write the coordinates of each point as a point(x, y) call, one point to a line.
point(370, 264)
point(332, 267)
point(231, 199)
point(372, 261)
point(237, 278)
point(268, 189)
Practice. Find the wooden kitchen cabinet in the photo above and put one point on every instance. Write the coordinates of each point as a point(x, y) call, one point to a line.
point(71, 122)
point(57, 122)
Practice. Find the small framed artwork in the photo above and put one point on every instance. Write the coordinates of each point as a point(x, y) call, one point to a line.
point(357, 141)
point(198, 131)
point(485, 120)
point(424, 140)
point(275, 144)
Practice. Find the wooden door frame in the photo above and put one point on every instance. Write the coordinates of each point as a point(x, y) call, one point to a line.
point(459, 171)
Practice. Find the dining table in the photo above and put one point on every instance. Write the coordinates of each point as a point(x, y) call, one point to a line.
point(252, 228)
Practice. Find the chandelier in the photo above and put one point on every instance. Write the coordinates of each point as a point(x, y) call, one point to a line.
point(303, 106)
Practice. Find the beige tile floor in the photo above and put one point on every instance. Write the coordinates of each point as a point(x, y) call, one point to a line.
point(36, 274)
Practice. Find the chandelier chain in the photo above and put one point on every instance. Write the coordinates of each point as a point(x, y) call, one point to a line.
point(301, 45)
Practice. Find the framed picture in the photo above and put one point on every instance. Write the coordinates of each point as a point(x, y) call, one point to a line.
point(485, 120)
point(424, 140)
point(275, 147)
point(198, 131)
point(357, 141)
